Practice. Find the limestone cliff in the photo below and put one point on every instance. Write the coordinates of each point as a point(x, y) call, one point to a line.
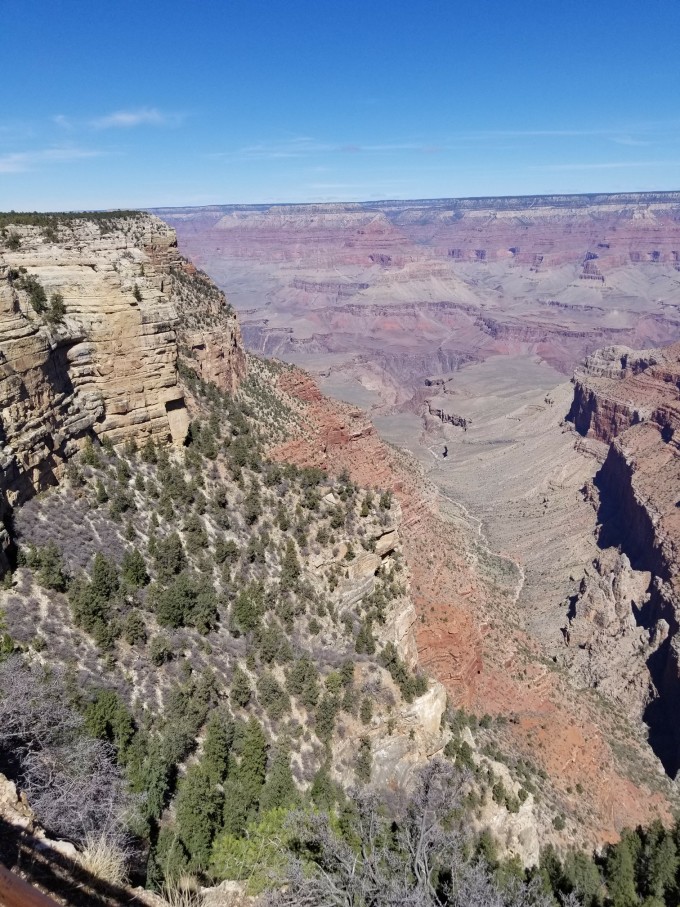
point(90, 339)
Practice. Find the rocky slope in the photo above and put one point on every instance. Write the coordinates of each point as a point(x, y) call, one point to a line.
point(223, 576)
point(630, 401)
point(471, 637)
point(107, 360)
point(382, 300)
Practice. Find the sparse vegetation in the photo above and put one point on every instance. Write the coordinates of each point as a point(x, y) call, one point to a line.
point(205, 587)
point(57, 310)
point(105, 220)
point(196, 651)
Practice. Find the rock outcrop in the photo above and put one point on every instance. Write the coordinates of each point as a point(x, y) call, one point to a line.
point(632, 402)
point(607, 645)
point(439, 408)
point(108, 361)
point(603, 407)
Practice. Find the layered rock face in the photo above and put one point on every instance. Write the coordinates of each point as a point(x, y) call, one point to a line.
point(420, 304)
point(608, 647)
point(379, 295)
point(632, 402)
point(108, 364)
point(470, 636)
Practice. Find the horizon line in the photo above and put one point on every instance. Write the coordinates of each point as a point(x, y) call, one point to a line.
point(441, 200)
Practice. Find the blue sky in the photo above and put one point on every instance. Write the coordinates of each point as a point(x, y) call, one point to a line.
point(151, 103)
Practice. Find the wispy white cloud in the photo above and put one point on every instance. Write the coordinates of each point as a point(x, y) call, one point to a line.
point(337, 186)
point(629, 140)
point(394, 146)
point(533, 133)
point(304, 146)
point(300, 146)
point(62, 121)
point(13, 132)
point(142, 116)
point(21, 161)
point(634, 134)
point(606, 165)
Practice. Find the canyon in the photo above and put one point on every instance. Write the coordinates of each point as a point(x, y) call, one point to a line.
point(457, 325)
point(474, 633)
point(374, 297)
point(629, 401)
point(541, 550)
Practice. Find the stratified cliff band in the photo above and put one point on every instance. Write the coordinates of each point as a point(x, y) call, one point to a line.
point(105, 359)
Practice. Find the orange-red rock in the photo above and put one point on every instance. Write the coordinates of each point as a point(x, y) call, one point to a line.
point(466, 638)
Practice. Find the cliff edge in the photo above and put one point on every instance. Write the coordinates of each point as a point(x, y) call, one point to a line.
point(631, 401)
point(90, 337)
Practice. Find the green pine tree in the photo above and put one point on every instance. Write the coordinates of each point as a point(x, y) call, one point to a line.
point(101, 493)
point(108, 718)
point(620, 873)
point(364, 761)
point(279, 789)
point(219, 738)
point(244, 785)
point(51, 574)
point(324, 791)
point(198, 810)
point(241, 691)
point(661, 863)
point(133, 568)
point(104, 583)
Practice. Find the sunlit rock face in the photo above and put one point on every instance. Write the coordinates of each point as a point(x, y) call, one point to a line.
point(109, 364)
point(375, 297)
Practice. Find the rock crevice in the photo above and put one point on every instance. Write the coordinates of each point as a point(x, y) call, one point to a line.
point(630, 400)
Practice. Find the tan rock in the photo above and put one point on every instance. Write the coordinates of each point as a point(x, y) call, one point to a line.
point(112, 366)
point(364, 565)
point(387, 543)
point(227, 894)
point(14, 808)
point(425, 713)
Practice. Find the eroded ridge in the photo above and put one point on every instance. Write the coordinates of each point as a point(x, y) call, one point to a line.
point(630, 401)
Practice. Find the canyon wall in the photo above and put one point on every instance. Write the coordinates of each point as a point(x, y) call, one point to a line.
point(380, 295)
point(631, 401)
point(466, 314)
point(105, 359)
point(471, 637)
point(108, 364)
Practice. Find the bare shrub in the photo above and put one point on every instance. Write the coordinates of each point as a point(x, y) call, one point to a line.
point(425, 865)
point(71, 780)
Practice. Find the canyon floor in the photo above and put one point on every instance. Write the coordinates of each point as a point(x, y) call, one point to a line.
point(458, 326)
point(514, 475)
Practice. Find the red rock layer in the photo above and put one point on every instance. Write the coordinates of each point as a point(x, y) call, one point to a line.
point(413, 288)
point(466, 635)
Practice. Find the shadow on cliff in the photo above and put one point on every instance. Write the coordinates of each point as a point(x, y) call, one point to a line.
point(613, 531)
point(660, 715)
point(55, 874)
point(624, 524)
